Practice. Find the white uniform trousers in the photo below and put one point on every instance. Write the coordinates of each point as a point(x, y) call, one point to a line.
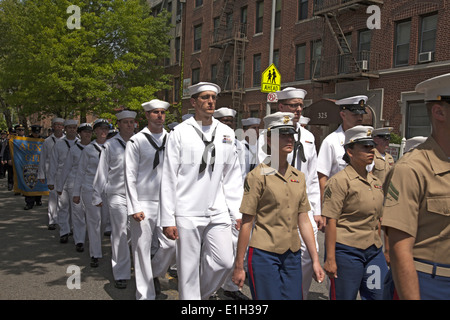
point(78, 219)
point(141, 243)
point(204, 255)
point(52, 207)
point(120, 257)
point(64, 212)
point(307, 266)
point(93, 224)
point(229, 285)
point(106, 219)
point(165, 255)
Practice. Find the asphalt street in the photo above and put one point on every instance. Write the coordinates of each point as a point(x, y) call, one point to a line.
point(34, 265)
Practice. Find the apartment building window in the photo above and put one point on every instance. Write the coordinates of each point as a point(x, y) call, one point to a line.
point(418, 123)
point(176, 89)
point(402, 39)
point(256, 70)
point(276, 58)
point(198, 3)
point(195, 76)
point(214, 73)
point(428, 34)
point(216, 25)
point(278, 14)
point(177, 49)
point(198, 37)
point(302, 9)
point(244, 20)
point(259, 16)
point(300, 60)
point(316, 53)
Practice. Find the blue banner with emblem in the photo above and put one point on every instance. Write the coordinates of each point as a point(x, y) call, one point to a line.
point(25, 155)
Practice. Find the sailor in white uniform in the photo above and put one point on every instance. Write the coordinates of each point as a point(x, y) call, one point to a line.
point(109, 180)
point(250, 128)
point(329, 160)
point(65, 182)
point(59, 154)
point(47, 146)
point(84, 188)
point(144, 158)
point(304, 158)
point(200, 160)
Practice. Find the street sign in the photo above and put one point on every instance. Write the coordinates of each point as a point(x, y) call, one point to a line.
point(270, 79)
point(272, 97)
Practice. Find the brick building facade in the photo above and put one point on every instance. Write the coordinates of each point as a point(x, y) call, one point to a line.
point(328, 47)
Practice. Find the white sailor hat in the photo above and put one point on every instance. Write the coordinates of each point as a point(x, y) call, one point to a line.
point(281, 121)
point(356, 104)
point(172, 125)
point(291, 93)
point(304, 120)
point(186, 116)
point(436, 89)
point(203, 86)
point(124, 114)
point(250, 121)
point(155, 104)
point(224, 112)
point(100, 123)
point(57, 120)
point(386, 131)
point(359, 134)
point(84, 126)
point(412, 143)
point(70, 122)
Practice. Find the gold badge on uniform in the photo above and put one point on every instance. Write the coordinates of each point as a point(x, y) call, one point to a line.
point(286, 119)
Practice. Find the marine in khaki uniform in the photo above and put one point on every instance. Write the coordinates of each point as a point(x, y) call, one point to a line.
point(382, 161)
point(353, 201)
point(416, 212)
point(276, 202)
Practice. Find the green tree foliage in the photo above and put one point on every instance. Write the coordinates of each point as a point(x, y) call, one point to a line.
point(113, 60)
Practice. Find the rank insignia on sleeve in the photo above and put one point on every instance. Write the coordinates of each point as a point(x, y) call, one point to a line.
point(327, 193)
point(392, 192)
point(246, 186)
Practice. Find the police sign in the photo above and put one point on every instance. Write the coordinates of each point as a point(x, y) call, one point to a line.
point(270, 79)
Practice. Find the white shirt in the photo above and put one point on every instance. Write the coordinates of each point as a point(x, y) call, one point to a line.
point(109, 177)
point(142, 182)
point(251, 155)
point(185, 191)
point(87, 168)
point(46, 152)
point(69, 170)
point(309, 168)
point(329, 161)
point(58, 157)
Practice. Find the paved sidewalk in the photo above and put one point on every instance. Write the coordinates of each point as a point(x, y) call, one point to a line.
point(35, 266)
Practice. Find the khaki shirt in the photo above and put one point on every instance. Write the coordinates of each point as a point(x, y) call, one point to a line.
point(276, 201)
point(382, 165)
point(418, 201)
point(356, 204)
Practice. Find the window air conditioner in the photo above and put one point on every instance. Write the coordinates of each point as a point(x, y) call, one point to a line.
point(426, 57)
point(364, 65)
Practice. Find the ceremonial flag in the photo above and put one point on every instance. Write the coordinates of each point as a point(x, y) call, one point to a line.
point(25, 155)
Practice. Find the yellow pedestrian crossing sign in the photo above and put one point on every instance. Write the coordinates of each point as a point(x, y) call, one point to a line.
point(270, 79)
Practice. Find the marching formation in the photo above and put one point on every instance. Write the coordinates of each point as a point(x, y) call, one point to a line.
point(221, 205)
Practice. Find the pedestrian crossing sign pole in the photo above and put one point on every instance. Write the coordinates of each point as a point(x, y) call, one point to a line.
point(270, 79)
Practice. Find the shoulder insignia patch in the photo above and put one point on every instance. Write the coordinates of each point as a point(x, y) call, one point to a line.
point(393, 193)
point(246, 186)
point(327, 193)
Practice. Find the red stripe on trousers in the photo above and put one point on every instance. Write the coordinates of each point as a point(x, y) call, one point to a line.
point(250, 269)
point(332, 289)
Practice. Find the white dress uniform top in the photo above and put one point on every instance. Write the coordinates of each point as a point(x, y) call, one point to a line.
point(58, 157)
point(251, 149)
point(65, 181)
point(142, 187)
point(43, 168)
point(191, 201)
point(84, 187)
point(109, 180)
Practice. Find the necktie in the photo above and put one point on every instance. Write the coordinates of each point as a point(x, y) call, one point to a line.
point(158, 149)
point(208, 145)
point(298, 146)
